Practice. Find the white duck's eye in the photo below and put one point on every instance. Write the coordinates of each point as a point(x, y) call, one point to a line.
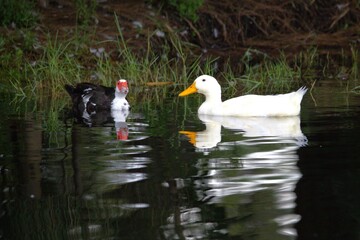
point(204, 80)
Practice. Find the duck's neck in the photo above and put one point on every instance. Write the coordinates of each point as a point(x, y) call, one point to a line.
point(119, 102)
point(212, 104)
point(119, 95)
point(213, 98)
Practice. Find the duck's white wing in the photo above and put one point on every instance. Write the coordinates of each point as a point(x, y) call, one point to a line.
point(267, 105)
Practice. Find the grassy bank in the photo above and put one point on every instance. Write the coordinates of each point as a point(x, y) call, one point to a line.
point(37, 61)
point(35, 69)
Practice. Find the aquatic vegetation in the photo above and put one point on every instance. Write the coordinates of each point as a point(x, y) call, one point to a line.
point(270, 76)
point(355, 60)
point(307, 62)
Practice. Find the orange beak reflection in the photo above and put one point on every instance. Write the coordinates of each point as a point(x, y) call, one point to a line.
point(190, 135)
point(190, 90)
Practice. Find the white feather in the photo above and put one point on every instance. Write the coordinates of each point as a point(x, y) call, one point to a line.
point(86, 98)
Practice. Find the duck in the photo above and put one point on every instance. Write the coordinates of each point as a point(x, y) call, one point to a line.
point(88, 98)
point(280, 105)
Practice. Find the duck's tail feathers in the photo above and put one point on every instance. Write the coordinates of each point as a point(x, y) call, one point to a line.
point(70, 89)
point(302, 91)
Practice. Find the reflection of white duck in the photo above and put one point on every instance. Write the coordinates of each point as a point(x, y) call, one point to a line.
point(206, 139)
point(248, 105)
point(283, 127)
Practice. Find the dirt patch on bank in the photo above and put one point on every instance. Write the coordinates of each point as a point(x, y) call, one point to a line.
point(224, 28)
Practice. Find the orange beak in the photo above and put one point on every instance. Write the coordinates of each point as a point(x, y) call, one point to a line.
point(190, 90)
point(190, 135)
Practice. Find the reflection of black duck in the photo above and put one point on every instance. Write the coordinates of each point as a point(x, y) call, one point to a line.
point(101, 118)
point(88, 98)
point(94, 119)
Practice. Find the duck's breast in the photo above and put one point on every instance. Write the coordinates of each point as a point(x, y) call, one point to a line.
point(211, 108)
point(120, 104)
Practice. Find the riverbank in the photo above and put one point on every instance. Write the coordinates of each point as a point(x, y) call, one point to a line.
point(252, 47)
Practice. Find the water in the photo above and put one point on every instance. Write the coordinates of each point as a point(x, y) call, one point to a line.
point(167, 175)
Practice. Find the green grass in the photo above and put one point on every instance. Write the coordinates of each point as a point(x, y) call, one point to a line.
point(20, 12)
point(41, 74)
point(187, 9)
point(355, 63)
point(62, 61)
point(48, 74)
point(85, 11)
point(270, 76)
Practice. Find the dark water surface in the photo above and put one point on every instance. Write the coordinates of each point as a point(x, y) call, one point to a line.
point(175, 176)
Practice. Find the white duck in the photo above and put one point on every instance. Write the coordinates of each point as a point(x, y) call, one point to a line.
point(244, 106)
